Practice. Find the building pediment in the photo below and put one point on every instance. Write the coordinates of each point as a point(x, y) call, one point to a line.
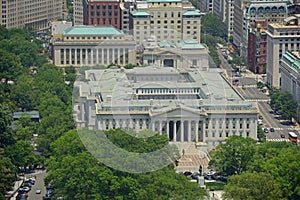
point(178, 111)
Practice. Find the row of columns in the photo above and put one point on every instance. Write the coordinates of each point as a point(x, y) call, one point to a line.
point(101, 59)
point(176, 130)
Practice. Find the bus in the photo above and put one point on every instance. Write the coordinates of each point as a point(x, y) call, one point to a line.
point(293, 137)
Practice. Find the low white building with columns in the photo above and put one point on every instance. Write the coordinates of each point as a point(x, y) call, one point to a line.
point(89, 46)
point(186, 104)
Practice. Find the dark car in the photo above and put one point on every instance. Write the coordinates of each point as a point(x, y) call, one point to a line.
point(195, 175)
point(266, 130)
point(187, 173)
point(282, 135)
point(272, 130)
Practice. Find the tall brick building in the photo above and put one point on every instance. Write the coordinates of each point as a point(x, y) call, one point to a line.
point(104, 13)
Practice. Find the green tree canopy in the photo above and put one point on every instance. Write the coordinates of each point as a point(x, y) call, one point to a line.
point(233, 156)
point(252, 186)
point(284, 103)
point(212, 25)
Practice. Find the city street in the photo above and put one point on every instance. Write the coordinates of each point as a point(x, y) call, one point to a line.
point(39, 183)
point(247, 88)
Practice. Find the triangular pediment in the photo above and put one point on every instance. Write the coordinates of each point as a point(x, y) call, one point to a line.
point(179, 111)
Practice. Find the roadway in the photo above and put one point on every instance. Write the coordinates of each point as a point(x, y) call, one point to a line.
point(247, 88)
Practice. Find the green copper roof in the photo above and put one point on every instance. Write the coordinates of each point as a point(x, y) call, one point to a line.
point(139, 13)
point(190, 44)
point(193, 13)
point(163, 1)
point(291, 59)
point(92, 30)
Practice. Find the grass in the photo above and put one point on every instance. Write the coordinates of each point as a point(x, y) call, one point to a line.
point(215, 185)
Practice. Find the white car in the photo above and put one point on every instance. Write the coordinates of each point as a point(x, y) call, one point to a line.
point(38, 191)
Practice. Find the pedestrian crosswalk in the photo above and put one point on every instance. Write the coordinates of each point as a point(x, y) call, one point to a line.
point(289, 128)
point(258, 100)
point(278, 140)
point(246, 86)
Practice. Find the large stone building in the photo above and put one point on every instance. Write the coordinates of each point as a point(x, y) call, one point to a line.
point(188, 53)
point(290, 75)
point(280, 38)
point(172, 20)
point(90, 46)
point(186, 104)
point(35, 14)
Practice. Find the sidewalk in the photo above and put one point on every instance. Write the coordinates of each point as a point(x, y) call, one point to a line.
point(11, 195)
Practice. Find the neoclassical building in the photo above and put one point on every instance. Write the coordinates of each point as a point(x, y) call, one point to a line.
point(186, 104)
point(187, 53)
point(90, 46)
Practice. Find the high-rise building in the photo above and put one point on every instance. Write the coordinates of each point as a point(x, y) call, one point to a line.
point(280, 38)
point(80, 12)
point(36, 14)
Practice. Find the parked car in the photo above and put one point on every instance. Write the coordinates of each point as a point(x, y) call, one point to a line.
point(266, 130)
point(26, 189)
point(282, 135)
point(272, 130)
point(187, 173)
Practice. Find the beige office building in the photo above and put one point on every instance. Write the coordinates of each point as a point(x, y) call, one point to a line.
point(36, 14)
point(280, 38)
point(172, 20)
point(90, 46)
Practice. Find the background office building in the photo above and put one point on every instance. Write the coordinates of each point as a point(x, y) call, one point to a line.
point(246, 13)
point(280, 38)
point(104, 13)
point(165, 20)
point(35, 14)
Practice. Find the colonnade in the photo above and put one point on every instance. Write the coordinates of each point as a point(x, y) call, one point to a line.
point(91, 56)
point(177, 130)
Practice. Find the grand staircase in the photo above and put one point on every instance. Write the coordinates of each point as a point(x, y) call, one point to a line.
point(191, 158)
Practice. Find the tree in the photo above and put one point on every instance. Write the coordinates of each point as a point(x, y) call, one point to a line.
point(261, 136)
point(10, 65)
point(20, 153)
point(22, 92)
point(212, 25)
point(7, 175)
point(284, 103)
point(78, 175)
point(6, 133)
point(285, 168)
point(233, 156)
point(255, 186)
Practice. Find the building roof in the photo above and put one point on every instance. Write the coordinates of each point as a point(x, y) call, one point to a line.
point(192, 13)
point(117, 89)
point(92, 30)
point(190, 44)
point(139, 13)
point(32, 114)
point(292, 58)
